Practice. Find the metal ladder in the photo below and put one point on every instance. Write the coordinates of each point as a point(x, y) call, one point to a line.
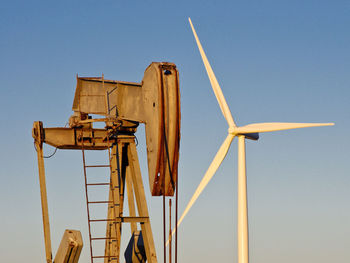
point(110, 203)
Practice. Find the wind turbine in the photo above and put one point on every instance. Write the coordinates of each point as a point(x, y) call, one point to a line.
point(250, 131)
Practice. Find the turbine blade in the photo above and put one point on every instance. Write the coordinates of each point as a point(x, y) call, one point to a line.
point(277, 126)
point(214, 83)
point(219, 157)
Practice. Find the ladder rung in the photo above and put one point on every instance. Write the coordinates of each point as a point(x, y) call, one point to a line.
point(102, 165)
point(101, 220)
point(98, 184)
point(114, 257)
point(125, 219)
point(103, 238)
point(100, 202)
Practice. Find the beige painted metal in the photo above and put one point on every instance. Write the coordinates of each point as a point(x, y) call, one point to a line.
point(90, 97)
point(123, 105)
point(71, 138)
point(131, 199)
point(141, 203)
point(38, 140)
point(130, 178)
point(242, 214)
point(70, 247)
point(115, 210)
point(155, 102)
point(160, 87)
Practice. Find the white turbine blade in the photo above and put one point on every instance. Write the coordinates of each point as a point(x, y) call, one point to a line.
point(277, 126)
point(219, 157)
point(214, 83)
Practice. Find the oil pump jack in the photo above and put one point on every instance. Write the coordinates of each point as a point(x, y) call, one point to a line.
point(121, 106)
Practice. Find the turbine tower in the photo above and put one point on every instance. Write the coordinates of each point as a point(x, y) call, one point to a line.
point(250, 131)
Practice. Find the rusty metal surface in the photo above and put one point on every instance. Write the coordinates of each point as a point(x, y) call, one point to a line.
point(72, 138)
point(70, 247)
point(93, 94)
point(155, 101)
point(123, 105)
point(161, 98)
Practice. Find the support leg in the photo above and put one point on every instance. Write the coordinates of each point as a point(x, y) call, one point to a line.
point(115, 208)
point(141, 203)
point(43, 195)
point(131, 199)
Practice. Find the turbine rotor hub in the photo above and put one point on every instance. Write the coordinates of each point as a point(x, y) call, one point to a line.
point(232, 130)
point(235, 131)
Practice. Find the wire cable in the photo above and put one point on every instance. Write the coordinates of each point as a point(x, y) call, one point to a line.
point(48, 156)
point(176, 195)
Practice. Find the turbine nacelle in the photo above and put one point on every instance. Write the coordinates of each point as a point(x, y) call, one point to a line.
point(251, 136)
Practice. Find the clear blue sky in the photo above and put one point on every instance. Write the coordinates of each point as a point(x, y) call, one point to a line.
point(275, 60)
